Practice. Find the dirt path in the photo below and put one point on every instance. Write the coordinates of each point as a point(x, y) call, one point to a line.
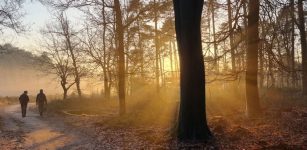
point(42, 132)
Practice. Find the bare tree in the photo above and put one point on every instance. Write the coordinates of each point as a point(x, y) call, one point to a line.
point(301, 27)
point(55, 61)
point(67, 33)
point(11, 14)
point(98, 55)
point(62, 30)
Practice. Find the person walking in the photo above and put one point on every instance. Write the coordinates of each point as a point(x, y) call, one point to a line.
point(41, 101)
point(24, 99)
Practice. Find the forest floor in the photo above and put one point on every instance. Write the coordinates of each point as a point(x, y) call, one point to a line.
point(278, 130)
point(149, 125)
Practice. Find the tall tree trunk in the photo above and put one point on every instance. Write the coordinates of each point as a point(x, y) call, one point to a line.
point(293, 44)
point(261, 57)
point(66, 30)
point(104, 69)
point(162, 70)
point(75, 67)
point(157, 72)
point(216, 62)
point(171, 59)
point(303, 44)
point(192, 114)
point(271, 73)
point(141, 51)
point(288, 51)
point(121, 57)
point(252, 96)
point(175, 60)
point(232, 50)
point(244, 33)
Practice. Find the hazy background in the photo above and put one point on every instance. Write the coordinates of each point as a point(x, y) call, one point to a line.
point(18, 72)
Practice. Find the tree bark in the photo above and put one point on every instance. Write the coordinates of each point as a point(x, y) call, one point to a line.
point(121, 57)
point(157, 52)
point(176, 63)
point(104, 69)
point(171, 59)
point(65, 27)
point(303, 44)
point(232, 51)
point(192, 115)
point(216, 62)
point(64, 94)
point(65, 90)
point(293, 44)
point(252, 96)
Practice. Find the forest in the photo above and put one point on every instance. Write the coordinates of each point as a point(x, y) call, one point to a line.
point(154, 74)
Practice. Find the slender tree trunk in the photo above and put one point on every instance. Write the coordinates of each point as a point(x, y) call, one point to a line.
point(261, 57)
point(287, 47)
point(175, 60)
point(162, 70)
point(141, 51)
point(171, 58)
point(104, 69)
point(293, 44)
point(252, 96)
point(216, 63)
point(64, 94)
point(65, 90)
point(75, 67)
point(261, 67)
point(303, 44)
point(67, 35)
point(121, 57)
point(271, 73)
point(192, 114)
point(244, 33)
point(232, 50)
point(157, 72)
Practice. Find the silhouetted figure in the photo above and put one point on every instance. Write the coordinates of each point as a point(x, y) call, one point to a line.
point(41, 101)
point(24, 99)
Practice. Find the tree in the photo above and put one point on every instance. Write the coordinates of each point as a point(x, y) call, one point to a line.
point(301, 27)
point(157, 47)
point(252, 96)
point(64, 39)
point(121, 57)
point(60, 56)
point(192, 114)
point(212, 10)
point(10, 15)
point(67, 33)
point(96, 44)
point(53, 62)
point(293, 43)
point(232, 51)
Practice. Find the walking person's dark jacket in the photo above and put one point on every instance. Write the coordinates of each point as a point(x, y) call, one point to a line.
point(24, 99)
point(41, 101)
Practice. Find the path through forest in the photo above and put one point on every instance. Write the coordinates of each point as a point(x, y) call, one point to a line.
point(41, 132)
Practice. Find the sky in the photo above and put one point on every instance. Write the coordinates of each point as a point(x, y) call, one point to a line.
point(36, 17)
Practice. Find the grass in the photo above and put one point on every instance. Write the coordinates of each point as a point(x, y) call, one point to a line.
point(147, 108)
point(143, 108)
